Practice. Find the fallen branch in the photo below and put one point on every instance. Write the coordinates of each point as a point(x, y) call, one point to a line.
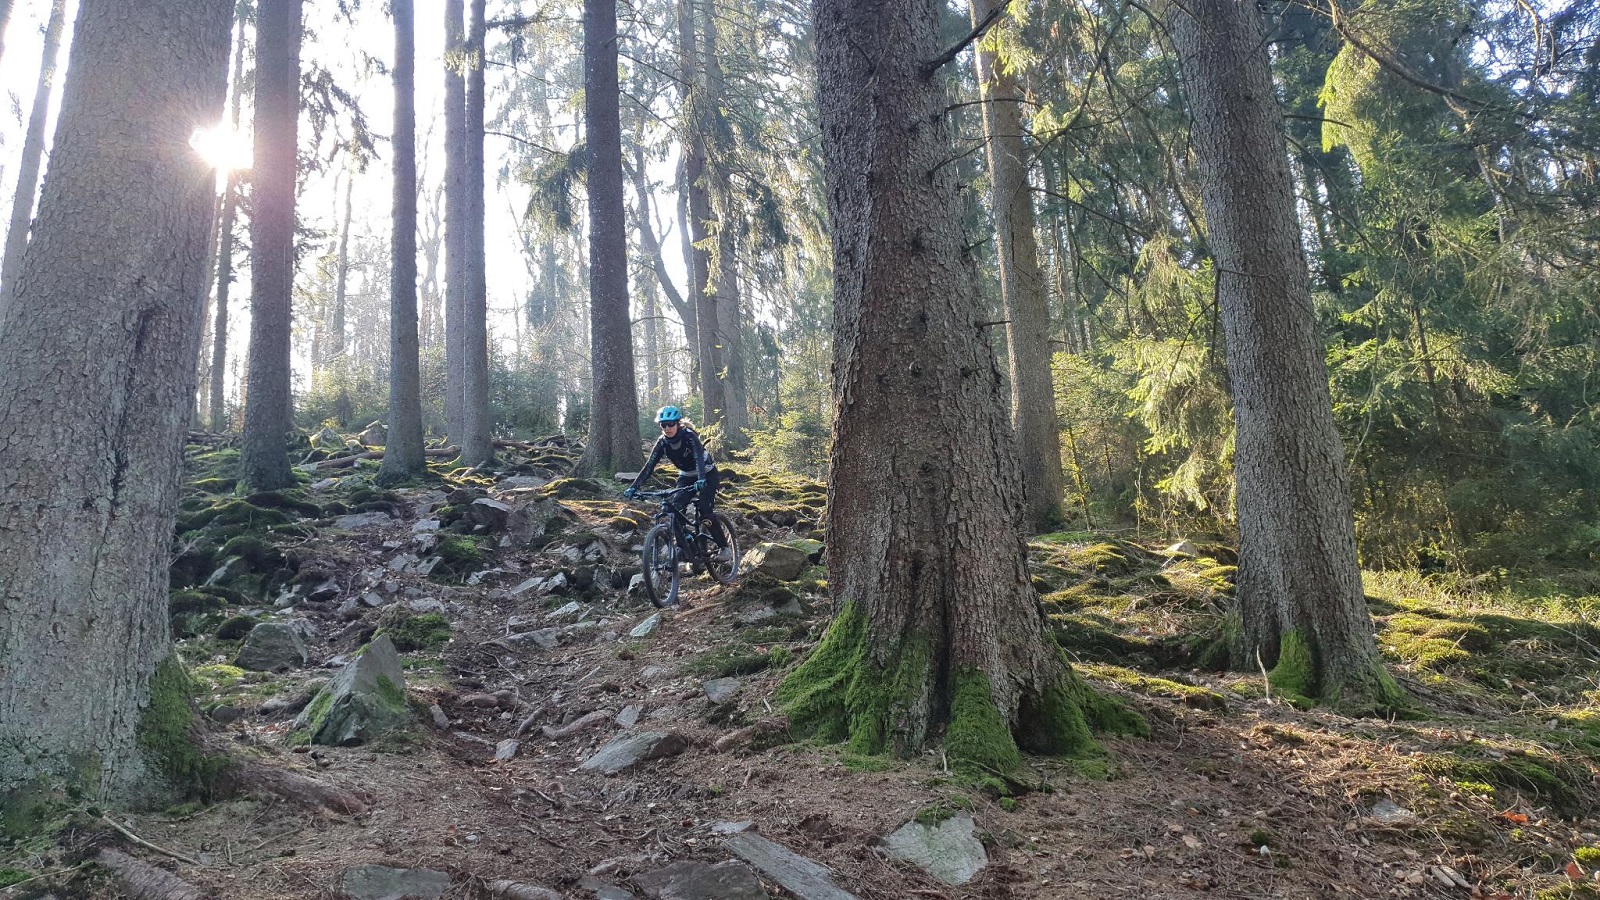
point(146, 844)
point(147, 882)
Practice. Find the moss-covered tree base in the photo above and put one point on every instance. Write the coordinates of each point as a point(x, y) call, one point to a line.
point(1302, 677)
point(840, 694)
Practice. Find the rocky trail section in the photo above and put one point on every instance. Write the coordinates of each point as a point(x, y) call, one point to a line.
point(473, 656)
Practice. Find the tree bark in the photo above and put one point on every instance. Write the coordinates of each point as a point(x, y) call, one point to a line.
point(1301, 605)
point(1022, 288)
point(5, 19)
point(267, 423)
point(403, 457)
point(940, 628)
point(456, 213)
point(614, 443)
point(334, 348)
point(97, 377)
point(32, 154)
point(477, 424)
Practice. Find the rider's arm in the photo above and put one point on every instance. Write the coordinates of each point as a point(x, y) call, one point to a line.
point(650, 464)
point(702, 459)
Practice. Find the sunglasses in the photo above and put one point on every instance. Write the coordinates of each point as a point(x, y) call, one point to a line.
point(666, 425)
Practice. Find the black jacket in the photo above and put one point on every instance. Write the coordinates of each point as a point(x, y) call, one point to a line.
point(684, 451)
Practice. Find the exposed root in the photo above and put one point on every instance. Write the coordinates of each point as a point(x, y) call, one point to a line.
point(253, 776)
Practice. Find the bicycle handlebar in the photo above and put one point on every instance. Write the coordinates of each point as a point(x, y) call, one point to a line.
point(665, 494)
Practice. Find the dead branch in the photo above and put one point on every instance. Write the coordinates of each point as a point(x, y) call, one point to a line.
point(146, 882)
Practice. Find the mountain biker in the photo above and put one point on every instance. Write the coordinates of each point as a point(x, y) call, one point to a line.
point(680, 444)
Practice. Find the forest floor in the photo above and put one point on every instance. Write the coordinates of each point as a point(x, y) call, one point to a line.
point(1489, 791)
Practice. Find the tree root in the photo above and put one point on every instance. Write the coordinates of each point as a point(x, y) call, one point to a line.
point(146, 882)
point(253, 776)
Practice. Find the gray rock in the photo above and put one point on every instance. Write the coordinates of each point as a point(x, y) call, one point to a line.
point(570, 611)
point(628, 750)
point(721, 690)
point(778, 561)
point(425, 542)
point(490, 515)
point(544, 638)
point(427, 605)
point(506, 749)
point(647, 627)
point(425, 525)
point(349, 609)
point(794, 873)
point(949, 851)
point(374, 435)
point(1387, 812)
point(231, 567)
point(629, 716)
point(324, 484)
point(426, 566)
point(366, 699)
point(325, 591)
point(518, 624)
point(359, 521)
point(636, 583)
point(515, 890)
point(732, 827)
point(403, 562)
point(526, 586)
point(373, 600)
point(272, 647)
point(532, 519)
point(1182, 550)
point(326, 439)
point(440, 720)
point(384, 883)
point(522, 482)
point(695, 880)
point(288, 598)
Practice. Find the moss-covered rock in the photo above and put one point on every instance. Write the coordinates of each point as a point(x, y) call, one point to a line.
point(411, 631)
point(363, 702)
point(195, 611)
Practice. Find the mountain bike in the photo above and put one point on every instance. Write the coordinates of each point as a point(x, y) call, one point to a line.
point(678, 539)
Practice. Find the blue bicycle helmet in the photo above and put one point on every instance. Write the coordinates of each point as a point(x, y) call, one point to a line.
point(668, 414)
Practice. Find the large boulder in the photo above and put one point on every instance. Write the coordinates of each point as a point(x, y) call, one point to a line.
point(780, 561)
point(374, 435)
point(273, 647)
point(365, 700)
point(531, 518)
point(728, 880)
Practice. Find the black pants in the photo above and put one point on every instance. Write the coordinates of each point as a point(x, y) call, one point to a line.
point(706, 501)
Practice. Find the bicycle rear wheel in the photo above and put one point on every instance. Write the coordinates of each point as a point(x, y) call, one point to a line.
point(723, 562)
point(659, 565)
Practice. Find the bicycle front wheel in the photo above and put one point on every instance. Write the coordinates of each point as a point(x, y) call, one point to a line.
point(659, 565)
point(723, 565)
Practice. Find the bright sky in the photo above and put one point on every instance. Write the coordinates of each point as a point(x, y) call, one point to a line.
point(339, 47)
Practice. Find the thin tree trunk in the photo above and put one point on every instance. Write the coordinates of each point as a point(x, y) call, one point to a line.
point(614, 443)
point(32, 154)
point(223, 271)
point(1300, 601)
point(730, 324)
point(403, 457)
point(939, 627)
point(456, 213)
point(97, 377)
point(218, 413)
point(477, 424)
point(267, 413)
point(1022, 289)
point(334, 347)
point(696, 257)
point(651, 247)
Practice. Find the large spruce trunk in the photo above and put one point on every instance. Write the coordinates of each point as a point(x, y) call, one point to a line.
point(614, 443)
point(1299, 583)
point(97, 375)
point(1022, 288)
point(32, 153)
point(940, 628)
point(265, 456)
point(403, 457)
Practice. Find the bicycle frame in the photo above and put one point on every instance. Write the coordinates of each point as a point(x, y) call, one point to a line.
point(682, 526)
